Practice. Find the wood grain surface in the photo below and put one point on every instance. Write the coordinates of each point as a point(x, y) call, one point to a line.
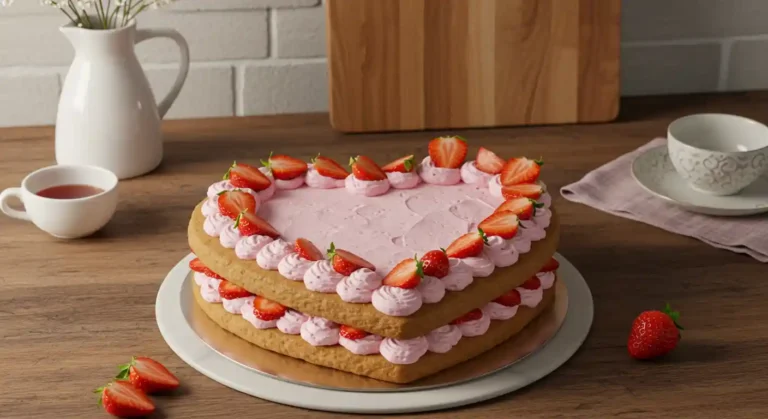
point(70, 311)
point(410, 64)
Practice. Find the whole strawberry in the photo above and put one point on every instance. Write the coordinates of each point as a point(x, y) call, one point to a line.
point(654, 334)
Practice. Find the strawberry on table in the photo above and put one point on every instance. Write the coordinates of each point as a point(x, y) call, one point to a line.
point(251, 224)
point(402, 165)
point(473, 315)
point(524, 208)
point(525, 190)
point(285, 167)
point(532, 284)
point(267, 310)
point(468, 245)
point(364, 168)
point(351, 333)
point(519, 170)
point(329, 168)
point(510, 299)
point(122, 399)
point(551, 265)
point(232, 203)
point(307, 250)
point(345, 262)
point(148, 375)
point(241, 175)
point(436, 263)
point(448, 152)
point(487, 161)
point(503, 224)
point(231, 291)
point(654, 334)
point(407, 274)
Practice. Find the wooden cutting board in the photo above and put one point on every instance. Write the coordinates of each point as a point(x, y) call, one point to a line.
point(421, 64)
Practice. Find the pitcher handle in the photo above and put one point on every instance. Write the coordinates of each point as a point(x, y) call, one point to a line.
point(143, 35)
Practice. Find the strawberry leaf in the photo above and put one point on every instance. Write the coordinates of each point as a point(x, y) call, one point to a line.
point(408, 164)
point(482, 235)
point(674, 315)
point(331, 251)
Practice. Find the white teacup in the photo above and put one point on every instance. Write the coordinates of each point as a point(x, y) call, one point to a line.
point(718, 154)
point(86, 200)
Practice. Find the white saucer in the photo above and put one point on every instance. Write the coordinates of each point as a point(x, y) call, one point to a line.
point(654, 172)
point(172, 302)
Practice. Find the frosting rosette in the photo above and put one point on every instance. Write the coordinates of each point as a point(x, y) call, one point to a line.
point(249, 247)
point(366, 187)
point(291, 322)
point(368, 345)
point(270, 256)
point(403, 180)
point(481, 265)
point(459, 275)
point(501, 252)
point(229, 236)
point(432, 289)
point(403, 352)
point(438, 175)
point(321, 277)
point(471, 175)
point(215, 223)
point(359, 286)
point(315, 180)
point(475, 327)
point(294, 267)
point(498, 311)
point(443, 339)
point(396, 301)
point(318, 331)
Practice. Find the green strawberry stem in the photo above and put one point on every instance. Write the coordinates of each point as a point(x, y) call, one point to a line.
point(331, 251)
point(266, 162)
point(674, 315)
point(482, 235)
point(419, 266)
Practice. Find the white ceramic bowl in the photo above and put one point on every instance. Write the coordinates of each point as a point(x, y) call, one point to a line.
point(718, 154)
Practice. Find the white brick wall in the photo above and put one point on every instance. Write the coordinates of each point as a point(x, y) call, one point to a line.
point(267, 56)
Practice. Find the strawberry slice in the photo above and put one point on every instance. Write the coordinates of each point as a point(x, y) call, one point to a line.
point(241, 175)
point(487, 161)
point(407, 274)
point(475, 314)
point(351, 333)
point(524, 208)
point(197, 265)
point(329, 168)
point(503, 224)
point(519, 170)
point(251, 224)
point(509, 299)
point(307, 250)
point(532, 284)
point(232, 203)
point(122, 399)
point(525, 190)
point(402, 165)
point(364, 168)
point(267, 310)
point(285, 167)
point(231, 291)
point(345, 262)
point(551, 265)
point(148, 375)
point(468, 245)
point(448, 152)
point(436, 263)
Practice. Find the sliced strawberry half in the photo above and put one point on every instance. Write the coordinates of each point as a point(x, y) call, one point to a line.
point(402, 165)
point(487, 161)
point(345, 262)
point(242, 175)
point(267, 310)
point(503, 224)
point(524, 208)
point(307, 250)
point(532, 284)
point(436, 263)
point(407, 274)
point(468, 245)
point(525, 190)
point(251, 224)
point(351, 333)
point(197, 265)
point(329, 168)
point(509, 299)
point(231, 291)
point(285, 167)
point(232, 203)
point(551, 265)
point(519, 170)
point(473, 315)
point(122, 399)
point(148, 375)
point(448, 152)
point(364, 168)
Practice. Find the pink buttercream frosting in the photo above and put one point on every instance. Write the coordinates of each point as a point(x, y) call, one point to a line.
point(294, 183)
point(229, 236)
point(432, 289)
point(321, 277)
point(501, 252)
point(291, 322)
point(470, 174)
point(531, 231)
point(215, 223)
point(481, 265)
point(315, 180)
point(545, 199)
point(459, 275)
point(475, 327)
point(543, 217)
point(201, 279)
point(247, 312)
point(494, 186)
point(438, 175)
point(318, 331)
point(368, 345)
point(366, 187)
point(359, 287)
point(396, 301)
point(400, 180)
point(215, 189)
point(530, 298)
point(547, 279)
point(294, 267)
point(210, 207)
point(210, 291)
point(403, 352)
point(270, 256)
point(235, 306)
point(521, 242)
point(443, 339)
point(248, 248)
point(498, 311)
point(267, 194)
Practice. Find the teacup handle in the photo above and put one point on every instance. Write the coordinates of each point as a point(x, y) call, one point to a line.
point(4, 196)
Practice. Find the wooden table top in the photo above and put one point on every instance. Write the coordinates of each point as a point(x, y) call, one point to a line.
point(70, 311)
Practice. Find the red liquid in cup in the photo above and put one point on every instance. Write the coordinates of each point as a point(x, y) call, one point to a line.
point(69, 191)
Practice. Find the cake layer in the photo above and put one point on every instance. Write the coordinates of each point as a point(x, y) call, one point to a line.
point(272, 285)
point(374, 366)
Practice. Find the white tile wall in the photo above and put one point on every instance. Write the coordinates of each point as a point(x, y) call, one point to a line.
point(267, 56)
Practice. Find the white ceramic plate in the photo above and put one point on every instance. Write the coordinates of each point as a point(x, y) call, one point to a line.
point(172, 321)
point(654, 172)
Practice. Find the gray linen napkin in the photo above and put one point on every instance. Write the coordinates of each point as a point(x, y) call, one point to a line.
point(612, 189)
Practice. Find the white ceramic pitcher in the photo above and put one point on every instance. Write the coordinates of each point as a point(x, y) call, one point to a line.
point(107, 113)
